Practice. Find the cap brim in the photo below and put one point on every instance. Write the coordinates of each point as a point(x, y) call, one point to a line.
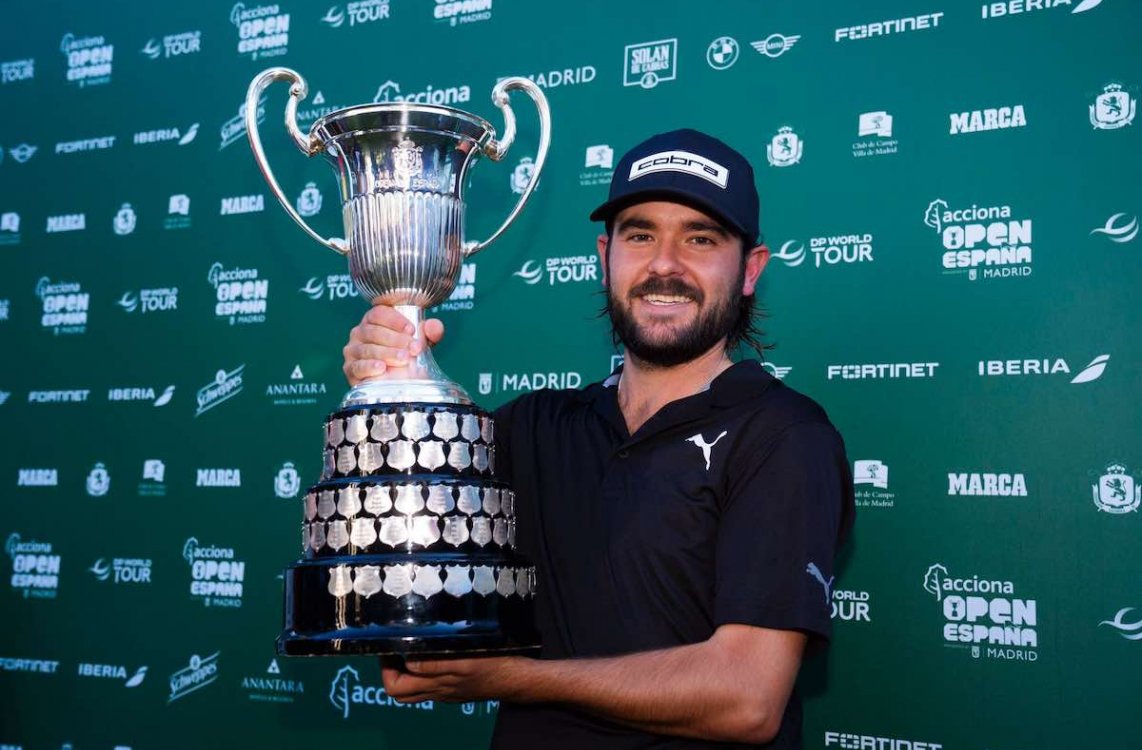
point(606, 211)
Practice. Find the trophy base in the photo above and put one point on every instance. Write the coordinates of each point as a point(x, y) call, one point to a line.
point(325, 622)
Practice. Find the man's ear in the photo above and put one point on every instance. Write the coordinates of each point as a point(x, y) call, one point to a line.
point(755, 262)
point(601, 249)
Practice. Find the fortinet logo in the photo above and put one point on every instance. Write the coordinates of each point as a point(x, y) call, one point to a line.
point(58, 397)
point(887, 371)
point(999, 118)
point(680, 161)
point(85, 144)
point(987, 484)
point(884, 28)
point(845, 741)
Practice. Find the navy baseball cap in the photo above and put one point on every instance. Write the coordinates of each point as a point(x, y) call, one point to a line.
point(692, 168)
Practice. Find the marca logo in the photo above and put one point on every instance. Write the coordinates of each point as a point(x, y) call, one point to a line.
point(1046, 366)
point(884, 28)
point(879, 126)
point(88, 59)
point(1131, 631)
point(263, 31)
point(240, 295)
point(553, 79)
point(65, 306)
point(58, 397)
point(680, 161)
point(722, 53)
point(333, 287)
point(560, 270)
point(775, 45)
point(272, 689)
point(98, 481)
point(850, 606)
point(846, 741)
point(1003, 625)
point(197, 674)
point(86, 144)
point(873, 473)
point(125, 220)
point(218, 478)
point(178, 212)
point(463, 295)
point(529, 381)
point(162, 299)
point(389, 91)
point(173, 45)
point(296, 392)
point(17, 70)
point(987, 484)
point(23, 152)
point(225, 386)
point(1001, 246)
point(365, 11)
point(829, 251)
point(1017, 7)
point(1112, 109)
point(35, 570)
point(234, 129)
point(39, 666)
point(287, 482)
point(999, 118)
point(649, 63)
point(66, 223)
point(37, 478)
point(1115, 233)
point(215, 576)
point(886, 371)
point(347, 691)
point(9, 228)
point(166, 135)
point(122, 570)
point(785, 148)
point(112, 672)
point(243, 204)
point(462, 11)
point(141, 394)
point(1116, 492)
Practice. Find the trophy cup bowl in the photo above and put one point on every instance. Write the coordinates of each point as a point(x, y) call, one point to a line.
point(409, 537)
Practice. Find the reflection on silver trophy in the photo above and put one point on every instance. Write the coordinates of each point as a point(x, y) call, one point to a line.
point(409, 538)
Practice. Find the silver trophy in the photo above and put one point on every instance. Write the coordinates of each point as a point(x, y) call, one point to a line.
point(409, 538)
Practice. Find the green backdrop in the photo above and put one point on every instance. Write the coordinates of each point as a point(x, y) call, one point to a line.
point(951, 193)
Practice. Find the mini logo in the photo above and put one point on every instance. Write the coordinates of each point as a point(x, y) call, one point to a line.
point(815, 572)
point(309, 202)
point(215, 575)
point(225, 386)
point(197, 674)
point(485, 383)
point(775, 45)
point(785, 149)
point(1113, 108)
point(602, 156)
point(650, 63)
point(522, 175)
point(1116, 233)
point(999, 118)
point(35, 570)
point(88, 59)
point(263, 30)
point(722, 52)
point(287, 482)
point(407, 160)
point(872, 472)
point(705, 447)
point(124, 222)
point(1116, 492)
point(23, 152)
point(1131, 631)
point(98, 481)
point(531, 273)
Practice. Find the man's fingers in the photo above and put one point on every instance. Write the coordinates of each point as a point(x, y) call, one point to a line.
point(361, 369)
point(388, 317)
point(433, 331)
point(391, 355)
point(371, 333)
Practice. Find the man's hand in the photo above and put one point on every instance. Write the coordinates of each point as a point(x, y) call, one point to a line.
point(454, 680)
point(382, 340)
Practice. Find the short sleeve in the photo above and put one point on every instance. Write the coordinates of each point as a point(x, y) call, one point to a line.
point(786, 513)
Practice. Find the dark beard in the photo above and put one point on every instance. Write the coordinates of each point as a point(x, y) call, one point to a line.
point(710, 327)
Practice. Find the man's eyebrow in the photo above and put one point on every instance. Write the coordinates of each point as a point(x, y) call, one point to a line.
point(634, 222)
point(707, 226)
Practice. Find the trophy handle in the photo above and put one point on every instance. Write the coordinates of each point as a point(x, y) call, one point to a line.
point(497, 149)
point(298, 90)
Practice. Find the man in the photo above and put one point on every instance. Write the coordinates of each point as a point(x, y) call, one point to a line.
point(683, 515)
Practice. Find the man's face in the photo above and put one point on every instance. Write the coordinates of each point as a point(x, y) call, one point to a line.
point(675, 277)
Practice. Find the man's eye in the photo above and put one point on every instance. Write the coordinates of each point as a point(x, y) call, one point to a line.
point(638, 237)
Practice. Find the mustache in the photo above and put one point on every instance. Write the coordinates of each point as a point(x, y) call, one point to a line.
point(669, 285)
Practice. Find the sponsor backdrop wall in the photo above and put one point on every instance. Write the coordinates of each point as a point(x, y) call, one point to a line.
point(951, 194)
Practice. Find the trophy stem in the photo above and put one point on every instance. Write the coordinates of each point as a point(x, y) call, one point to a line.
point(421, 380)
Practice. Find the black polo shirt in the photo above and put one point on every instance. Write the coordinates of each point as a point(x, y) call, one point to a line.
point(725, 507)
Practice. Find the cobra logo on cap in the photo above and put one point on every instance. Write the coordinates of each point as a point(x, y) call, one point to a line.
point(680, 161)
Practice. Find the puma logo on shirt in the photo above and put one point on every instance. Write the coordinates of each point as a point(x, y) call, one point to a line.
point(700, 441)
point(814, 571)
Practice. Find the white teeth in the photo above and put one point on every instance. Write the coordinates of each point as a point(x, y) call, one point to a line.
point(663, 299)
